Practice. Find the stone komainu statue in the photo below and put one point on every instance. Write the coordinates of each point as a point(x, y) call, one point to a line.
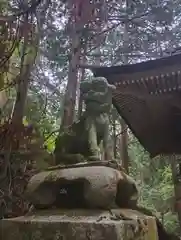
point(80, 141)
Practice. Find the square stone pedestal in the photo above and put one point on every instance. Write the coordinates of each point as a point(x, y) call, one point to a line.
point(80, 225)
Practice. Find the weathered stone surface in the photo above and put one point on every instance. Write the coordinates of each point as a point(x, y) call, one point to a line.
point(83, 187)
point(84, 137)
point(80, 225)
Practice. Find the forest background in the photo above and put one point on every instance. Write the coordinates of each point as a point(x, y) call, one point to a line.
point(45, 46)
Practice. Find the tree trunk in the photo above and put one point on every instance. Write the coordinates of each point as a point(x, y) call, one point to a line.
point(82, 78)
point(29, 53)
point(114, 140)
point(124, 146)
point(5, 68)
point(71, 89)
point(124, 135)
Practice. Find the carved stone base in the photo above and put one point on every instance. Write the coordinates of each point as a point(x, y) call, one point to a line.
point(82, 187)
point(80, 225)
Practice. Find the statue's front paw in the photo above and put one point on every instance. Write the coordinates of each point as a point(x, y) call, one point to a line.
point(93, 158)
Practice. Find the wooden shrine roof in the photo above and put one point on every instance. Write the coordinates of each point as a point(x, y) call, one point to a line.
point(148, 97)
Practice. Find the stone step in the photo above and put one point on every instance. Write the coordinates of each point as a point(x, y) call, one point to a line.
point(80, 224)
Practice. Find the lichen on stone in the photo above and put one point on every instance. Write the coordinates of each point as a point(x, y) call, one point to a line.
point(80, 141)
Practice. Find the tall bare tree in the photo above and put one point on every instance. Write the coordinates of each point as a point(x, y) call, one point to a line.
point(84, 16)
point(124, 135)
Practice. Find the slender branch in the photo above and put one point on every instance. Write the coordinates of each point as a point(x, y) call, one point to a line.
point(53, 132)
point(29, 9)
point(125, 19)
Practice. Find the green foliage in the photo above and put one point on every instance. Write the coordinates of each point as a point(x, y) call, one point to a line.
point(151, 27)
point(171, 222)
point(154, 178)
